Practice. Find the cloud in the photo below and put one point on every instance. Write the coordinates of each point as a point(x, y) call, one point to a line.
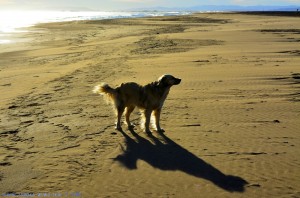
point(6, 2)
point(130, 1)
point(243, 2)
point(136, 1)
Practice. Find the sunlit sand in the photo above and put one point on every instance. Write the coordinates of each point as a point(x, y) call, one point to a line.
point(232, 125)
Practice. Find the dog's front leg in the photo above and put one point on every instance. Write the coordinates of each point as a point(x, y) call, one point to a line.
point(147, 116)
point(157, 118)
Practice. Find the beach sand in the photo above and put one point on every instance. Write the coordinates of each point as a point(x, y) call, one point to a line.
point(232, 125)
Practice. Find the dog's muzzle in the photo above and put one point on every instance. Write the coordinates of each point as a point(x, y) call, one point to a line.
point(177, 81)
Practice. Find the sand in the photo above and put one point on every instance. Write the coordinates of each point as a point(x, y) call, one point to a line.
point(232, 125)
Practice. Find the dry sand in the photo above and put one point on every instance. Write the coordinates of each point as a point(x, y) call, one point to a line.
point(232, 125)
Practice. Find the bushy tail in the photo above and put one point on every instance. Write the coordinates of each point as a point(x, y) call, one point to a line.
point(104, 88)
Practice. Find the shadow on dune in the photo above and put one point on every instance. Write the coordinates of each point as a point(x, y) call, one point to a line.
point(168, 155)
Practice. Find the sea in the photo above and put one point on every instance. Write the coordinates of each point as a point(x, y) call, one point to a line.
point(13, 22)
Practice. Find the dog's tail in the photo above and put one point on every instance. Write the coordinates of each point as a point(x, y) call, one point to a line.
point(104, 88)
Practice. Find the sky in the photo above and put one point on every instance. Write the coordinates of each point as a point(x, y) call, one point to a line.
point(107, 5)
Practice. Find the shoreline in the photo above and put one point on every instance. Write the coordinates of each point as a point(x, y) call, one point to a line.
point(72, 16)
point(233, 120)
point(23, 30)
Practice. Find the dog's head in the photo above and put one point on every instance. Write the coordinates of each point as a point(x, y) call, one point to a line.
point(168, 80)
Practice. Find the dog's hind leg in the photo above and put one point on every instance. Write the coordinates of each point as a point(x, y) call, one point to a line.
point(129, 110)
point(157, 118)
point(120, 110)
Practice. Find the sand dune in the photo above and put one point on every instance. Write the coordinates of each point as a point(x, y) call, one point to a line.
point(231, 125)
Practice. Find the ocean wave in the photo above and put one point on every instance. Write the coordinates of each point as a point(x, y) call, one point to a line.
point(16, 20)
point(20, 19)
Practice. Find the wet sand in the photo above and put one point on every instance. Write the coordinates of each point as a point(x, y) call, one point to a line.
point(232, 125)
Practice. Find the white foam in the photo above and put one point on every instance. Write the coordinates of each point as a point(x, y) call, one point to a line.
point(5, 41)
point(13, 21)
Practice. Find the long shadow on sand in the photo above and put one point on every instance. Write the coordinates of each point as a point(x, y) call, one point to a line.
point(168, 155)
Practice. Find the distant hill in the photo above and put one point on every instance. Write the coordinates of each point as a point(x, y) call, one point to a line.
point(221, 8)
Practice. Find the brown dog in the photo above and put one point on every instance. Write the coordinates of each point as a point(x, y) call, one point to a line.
point(149, 98)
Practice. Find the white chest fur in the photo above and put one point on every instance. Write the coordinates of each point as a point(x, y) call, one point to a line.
point(163, 98)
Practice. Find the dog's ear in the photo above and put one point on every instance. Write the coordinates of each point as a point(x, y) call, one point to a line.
point(162, 81)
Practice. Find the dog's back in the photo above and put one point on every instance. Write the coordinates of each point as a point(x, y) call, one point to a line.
point(127, 93)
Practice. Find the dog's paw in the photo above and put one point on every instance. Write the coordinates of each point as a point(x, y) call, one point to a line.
point(147, 131)
point(130, 127)
point(119, 128)
point(160, 130)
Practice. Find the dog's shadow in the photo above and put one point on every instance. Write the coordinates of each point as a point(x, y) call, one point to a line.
point(165, 154)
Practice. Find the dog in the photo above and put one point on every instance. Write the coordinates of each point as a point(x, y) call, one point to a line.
point(149, 98)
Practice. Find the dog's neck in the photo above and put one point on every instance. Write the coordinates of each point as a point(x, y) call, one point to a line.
point(162, 89)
